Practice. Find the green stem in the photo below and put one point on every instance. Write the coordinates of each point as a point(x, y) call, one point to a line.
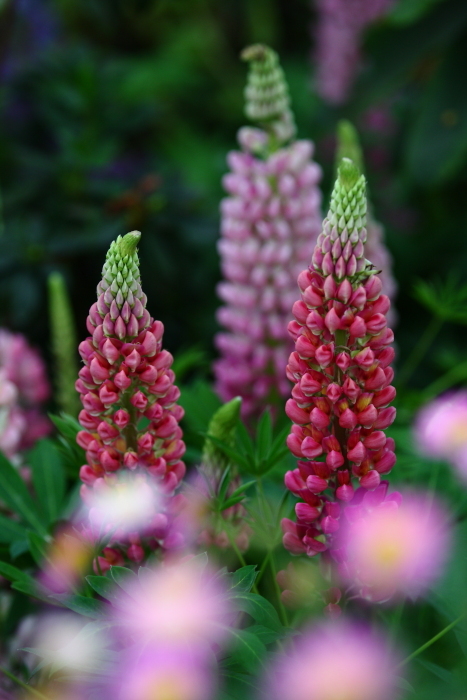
point(282, 610)
point(432, 640)
point(263, 566)
point(454, 375)
point(27, 687)
point(420, 349)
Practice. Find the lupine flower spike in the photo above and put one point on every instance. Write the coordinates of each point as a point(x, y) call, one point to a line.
point(270, 222)
point(340, 367)
point(64, 344)
point(339, 31)
point(130, 416)
point(348, 146)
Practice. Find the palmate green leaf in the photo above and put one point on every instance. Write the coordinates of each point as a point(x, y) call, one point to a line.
point(48, 477)
point(445, 299)
point(237, 458)
point(245, 441)
point(14, 493)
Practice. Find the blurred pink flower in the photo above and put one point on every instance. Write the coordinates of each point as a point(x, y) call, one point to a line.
point(339, 30)
point(441, 430)
point(337, 660)
point(163, 673)
point(23, 387)
point(177, 604)
point(391, 545)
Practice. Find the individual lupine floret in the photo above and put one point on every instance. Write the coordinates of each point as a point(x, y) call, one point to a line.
point(340, 367)
point(130, 415)
point(270, 222)
point(348, 146)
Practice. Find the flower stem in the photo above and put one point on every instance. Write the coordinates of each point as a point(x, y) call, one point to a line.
point(27, 687)
point(282, 610)
point(240, 556)
point(420, 349)
point(432, 640)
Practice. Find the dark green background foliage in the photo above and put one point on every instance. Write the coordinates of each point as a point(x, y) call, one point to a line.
point(117, 114)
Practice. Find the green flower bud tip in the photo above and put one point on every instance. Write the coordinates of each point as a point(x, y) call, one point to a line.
point(349, 174)
point(221, 426)
point(267, 99)
point(348, 144)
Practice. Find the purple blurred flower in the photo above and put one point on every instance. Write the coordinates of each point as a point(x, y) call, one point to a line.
point(163, 673)
point(179, 604)
point(441, 430)
point(23, 387)
point(339, 31)
point(390, 545)
point(338, 659)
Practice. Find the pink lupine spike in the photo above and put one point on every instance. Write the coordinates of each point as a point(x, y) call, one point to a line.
point(270, 222)
point(341, 395)
point(126, 376)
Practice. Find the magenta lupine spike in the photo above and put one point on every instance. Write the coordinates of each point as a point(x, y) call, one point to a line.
point(340, 367)
point(348, 146)
point(339, 30)
point(270, 223)
point(127, 377)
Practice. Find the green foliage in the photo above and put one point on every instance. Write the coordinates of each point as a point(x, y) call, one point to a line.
point(445, 299)
point(257, 456)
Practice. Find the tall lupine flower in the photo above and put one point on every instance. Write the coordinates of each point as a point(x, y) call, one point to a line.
point(348, 146)
point(339, 30)
point(63, 343)
point(340, 405)
point(270, 222)
point(23, 388)
point(127, 378)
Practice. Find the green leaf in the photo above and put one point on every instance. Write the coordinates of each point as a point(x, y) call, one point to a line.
point(266, 634)
point(66, 425)
point(445, 675)
point(14, 493)
point(123, 577)
point(37, 547)
point(48, 478)
point(10, 530)
point(248, 651)
point(89, 607)
point(245, 441)
point(259, 608)
point(224, 483)
point(14, 574)
point(243, 579)
point(104, 587)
